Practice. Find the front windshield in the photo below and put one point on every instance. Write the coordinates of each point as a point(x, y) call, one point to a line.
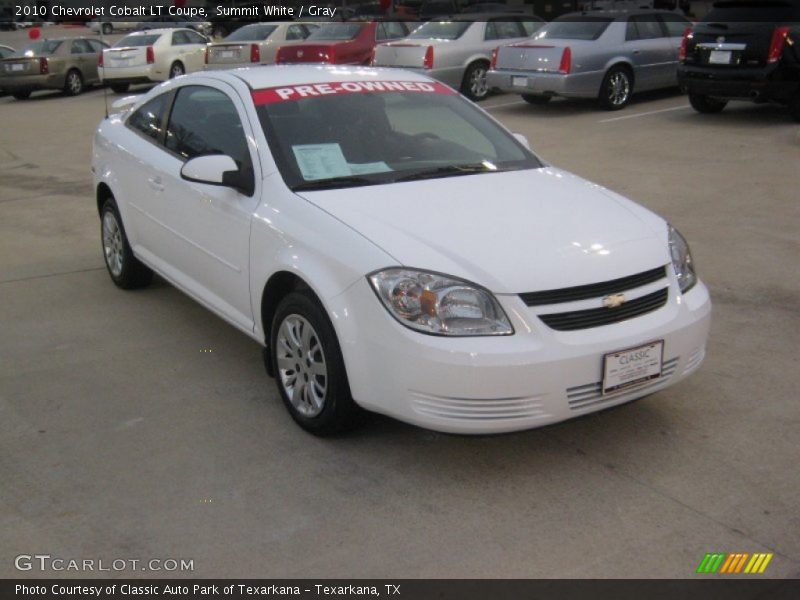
point(137, 40)
point(343, 134)
point(336, 31)
point(440, 30)
point(574, 28)
point(251, 33)
point(42, 48)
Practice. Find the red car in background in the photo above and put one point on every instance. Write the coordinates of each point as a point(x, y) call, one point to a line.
point(347, 43)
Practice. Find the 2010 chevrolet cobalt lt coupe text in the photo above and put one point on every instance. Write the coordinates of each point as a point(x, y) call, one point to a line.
point(395, 249)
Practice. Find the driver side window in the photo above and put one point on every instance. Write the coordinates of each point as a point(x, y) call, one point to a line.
point(205, 121)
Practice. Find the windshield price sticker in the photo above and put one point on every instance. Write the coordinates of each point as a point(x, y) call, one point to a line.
point(312, 90)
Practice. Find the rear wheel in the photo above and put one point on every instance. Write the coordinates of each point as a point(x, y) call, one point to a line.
point(21, 95)
point(534, 99)
point(125, 269)
point(73, 83)
point(120, 88)
point(616, 89)
point(706, 104)
point(176, 70)
point(474, 85)
point(308, 366)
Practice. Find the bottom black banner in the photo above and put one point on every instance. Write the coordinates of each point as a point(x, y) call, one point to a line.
point(445, 589)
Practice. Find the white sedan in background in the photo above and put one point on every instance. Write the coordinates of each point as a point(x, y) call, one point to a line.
point(395, 249)
point(152, 56)
point(255, 44)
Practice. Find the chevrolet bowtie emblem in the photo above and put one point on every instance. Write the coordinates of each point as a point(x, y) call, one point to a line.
point(614, 300)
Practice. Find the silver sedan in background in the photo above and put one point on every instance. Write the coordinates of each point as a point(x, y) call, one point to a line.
point(600, 54)
point(255, 44)
point(457, 50)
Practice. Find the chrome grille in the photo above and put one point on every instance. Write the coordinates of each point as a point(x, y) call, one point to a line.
point(583, 396)
point(593, 290)
point(595, 317)
point(525, 407)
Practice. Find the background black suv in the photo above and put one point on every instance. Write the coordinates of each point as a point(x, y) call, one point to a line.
point(743, 50)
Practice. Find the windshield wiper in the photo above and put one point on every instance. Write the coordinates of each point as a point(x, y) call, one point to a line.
point(332, 183)
point(448, 171)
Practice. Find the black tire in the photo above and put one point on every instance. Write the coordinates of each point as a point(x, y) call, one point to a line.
point(794, 107)
point(474, 85)
point(125, 270)
point(336, 411)
point(73, 83)
point(120, 88)
point(705, 104)
point(537, 100)
point(21, 95)
point(616, 89)
point(176, 69)
point(107, 28)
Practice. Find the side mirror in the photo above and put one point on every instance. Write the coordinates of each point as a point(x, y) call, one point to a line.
point(221, 170)
point(522, 140)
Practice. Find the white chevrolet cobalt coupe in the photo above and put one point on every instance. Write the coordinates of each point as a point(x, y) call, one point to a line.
point(395, 249)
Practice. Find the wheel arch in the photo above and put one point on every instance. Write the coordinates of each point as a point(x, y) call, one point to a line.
point(103, 193)
point(278, 286)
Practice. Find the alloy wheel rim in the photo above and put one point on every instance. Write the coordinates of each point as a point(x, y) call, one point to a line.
point(478, 84)
point(74, 83)
point(112, 244)
point(302, 368)
point(619, 88)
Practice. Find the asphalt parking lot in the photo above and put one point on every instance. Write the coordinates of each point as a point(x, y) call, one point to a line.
point(139, 425)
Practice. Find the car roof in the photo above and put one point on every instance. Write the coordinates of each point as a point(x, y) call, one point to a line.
point(268, 76)
point(160, 31)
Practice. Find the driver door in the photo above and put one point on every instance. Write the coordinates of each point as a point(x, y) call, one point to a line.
point(208, 225)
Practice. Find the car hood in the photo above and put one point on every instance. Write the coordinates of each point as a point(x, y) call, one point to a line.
point(511, 232)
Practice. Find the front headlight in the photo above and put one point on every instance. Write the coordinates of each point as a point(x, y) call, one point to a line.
point(438, 304)
point(681, 259)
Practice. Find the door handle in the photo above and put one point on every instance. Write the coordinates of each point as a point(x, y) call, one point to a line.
point(155, 183)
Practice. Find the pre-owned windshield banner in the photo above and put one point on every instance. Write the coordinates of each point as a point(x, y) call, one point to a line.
point(332, 88)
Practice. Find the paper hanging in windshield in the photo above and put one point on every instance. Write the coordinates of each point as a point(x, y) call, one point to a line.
point(332, 88)
point(325, 161)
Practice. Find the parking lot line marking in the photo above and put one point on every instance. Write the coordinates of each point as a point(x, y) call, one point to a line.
point(504, 104)
point(645, 114)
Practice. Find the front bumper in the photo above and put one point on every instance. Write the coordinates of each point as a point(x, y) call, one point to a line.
point(738, 83)
point(535, 377)
point(574, 85)
point(51, 81)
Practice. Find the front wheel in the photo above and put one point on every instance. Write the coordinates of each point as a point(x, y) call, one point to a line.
point(475, 86)
point(706, 104)
point(23, 95)
point(125, 269)
point(308, 366)
point(616, 89)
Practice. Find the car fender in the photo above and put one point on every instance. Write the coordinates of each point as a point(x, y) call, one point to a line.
point(482, 56)
point(291, 234)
